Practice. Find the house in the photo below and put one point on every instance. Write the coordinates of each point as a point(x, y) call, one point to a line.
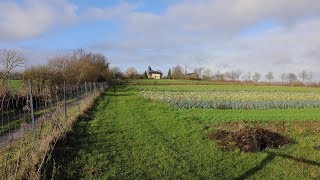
point(154, 74)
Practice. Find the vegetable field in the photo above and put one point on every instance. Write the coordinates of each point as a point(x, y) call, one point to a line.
point(135, 132)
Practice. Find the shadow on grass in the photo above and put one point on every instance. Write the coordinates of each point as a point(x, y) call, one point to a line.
point(269, 158)
point(67, 149)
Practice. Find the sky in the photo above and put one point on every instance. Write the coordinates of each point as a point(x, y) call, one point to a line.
point(281, 36)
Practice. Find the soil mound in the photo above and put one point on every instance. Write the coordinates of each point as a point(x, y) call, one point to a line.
point(250, 139)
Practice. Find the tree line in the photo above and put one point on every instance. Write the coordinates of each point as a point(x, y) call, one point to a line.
point(78, 66)
point(201, 73)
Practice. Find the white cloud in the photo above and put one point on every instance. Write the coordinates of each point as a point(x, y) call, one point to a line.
point(31, 18)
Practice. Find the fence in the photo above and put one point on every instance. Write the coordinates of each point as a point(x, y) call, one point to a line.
point(22, 110)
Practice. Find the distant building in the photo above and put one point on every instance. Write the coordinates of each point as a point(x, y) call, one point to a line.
point(154, 74)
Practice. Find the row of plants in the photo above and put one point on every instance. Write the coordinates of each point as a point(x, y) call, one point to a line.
point(244, 104)
point(236, 99)
point(224, 87)
point(232, 95)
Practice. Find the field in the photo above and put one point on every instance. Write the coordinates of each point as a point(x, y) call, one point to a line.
point(135, 132)
point(15, 84)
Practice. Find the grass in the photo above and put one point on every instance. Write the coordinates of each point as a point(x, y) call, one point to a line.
point(130, 137)
point(20, 159)
point(14, 84)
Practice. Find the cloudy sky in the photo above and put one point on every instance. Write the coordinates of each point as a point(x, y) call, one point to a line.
point(249, 35)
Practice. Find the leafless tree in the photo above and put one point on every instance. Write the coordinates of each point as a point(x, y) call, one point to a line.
point(10, 60)
point(269, 76)
point(177, 72)
point(198, 72)
point(247, 76)
point(219, 76)
point(207, 74)
point(131, 73)
point(283, 77)
point(233, 75)
point(292, 77)
point(303, 75)
point(256, 77)
point(310, 77)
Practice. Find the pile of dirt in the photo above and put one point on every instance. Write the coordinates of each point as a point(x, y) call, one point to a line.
point(249, 139)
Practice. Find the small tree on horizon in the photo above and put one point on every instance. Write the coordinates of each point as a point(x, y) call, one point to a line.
point(177, 72)
point(269, 76)
point(169, 76)
point(145, 75)
point(256, 77)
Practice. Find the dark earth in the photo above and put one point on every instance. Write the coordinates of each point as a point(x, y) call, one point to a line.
point(249, 139)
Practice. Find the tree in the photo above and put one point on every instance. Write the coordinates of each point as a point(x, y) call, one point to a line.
point(269, 76)
point(76, 67)
point(10, 59)
point(310, 76)
point(169, 76)
point(219, 76)
point(131, 73)
point(207, 74)
point(292, 77)
point(116, 73)
point(256, 77)
point(177, 72)
point(247, 77)
point(233, 75)
point(283, 77)
point(304, 75)
point(145, 75)
point(198, 72)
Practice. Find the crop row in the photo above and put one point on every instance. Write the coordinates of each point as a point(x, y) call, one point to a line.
point(232, 95)
point(236, 99)
point(244, 104)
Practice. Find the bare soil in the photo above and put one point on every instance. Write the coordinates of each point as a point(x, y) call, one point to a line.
point(249, 139)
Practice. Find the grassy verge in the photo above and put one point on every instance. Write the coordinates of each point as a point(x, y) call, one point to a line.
point(129, 137)
point(23, 159)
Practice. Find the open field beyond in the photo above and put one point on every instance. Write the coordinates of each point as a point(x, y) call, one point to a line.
point(129, 136)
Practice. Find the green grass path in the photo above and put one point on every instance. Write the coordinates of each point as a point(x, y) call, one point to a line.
point(129, 137)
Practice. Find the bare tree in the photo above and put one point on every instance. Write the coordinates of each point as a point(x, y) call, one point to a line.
point(233, 75)
point(207, 74)
point(310, 77)
point(131, 73)
point(283, 77)
point(256, 77)
point(10, 60)
point(198, 72)
point(247, 77)
point(219, 76)
point(303, 75)
point(292, 77)
point(177, 72)
point(269, 76)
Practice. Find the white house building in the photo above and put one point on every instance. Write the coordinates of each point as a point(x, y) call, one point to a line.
point(154, 74)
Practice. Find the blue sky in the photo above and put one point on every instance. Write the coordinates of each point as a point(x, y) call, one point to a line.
point(247, 35)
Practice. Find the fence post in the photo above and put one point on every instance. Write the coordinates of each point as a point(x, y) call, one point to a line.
point(32, 114)
point(85, 89)
point(64, 100)
point(78, 96)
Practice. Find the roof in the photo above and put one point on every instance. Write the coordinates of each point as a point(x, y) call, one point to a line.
point(150, 71)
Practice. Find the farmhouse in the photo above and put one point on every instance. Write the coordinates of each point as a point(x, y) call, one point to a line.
point(154, 74)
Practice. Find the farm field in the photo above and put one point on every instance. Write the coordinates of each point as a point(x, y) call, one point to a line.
point(15, 84)
point(133, 133)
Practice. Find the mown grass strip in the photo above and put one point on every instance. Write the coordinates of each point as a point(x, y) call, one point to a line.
point(129, 137)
